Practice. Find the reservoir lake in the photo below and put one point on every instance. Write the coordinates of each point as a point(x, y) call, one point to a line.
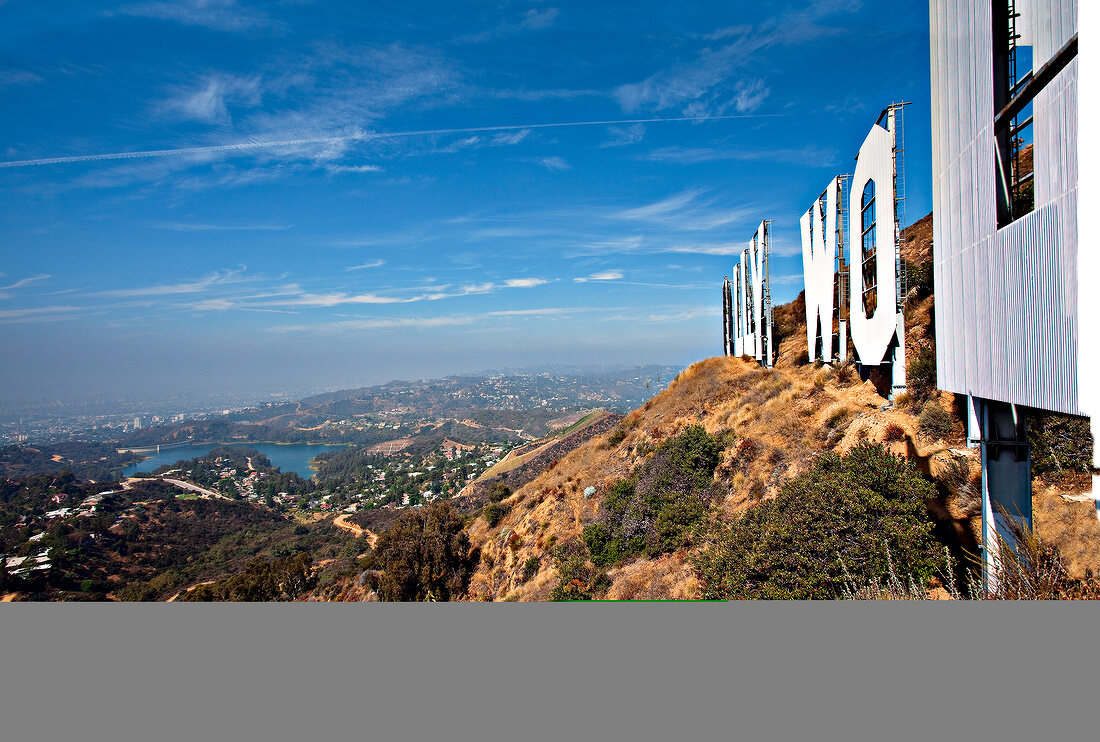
point(289, 457)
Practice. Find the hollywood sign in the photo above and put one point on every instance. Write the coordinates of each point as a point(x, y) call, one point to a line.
point(861, 299)
point(748, 304)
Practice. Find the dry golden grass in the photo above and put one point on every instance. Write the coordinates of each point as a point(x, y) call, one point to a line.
point(1069, 525)
point(669, 577)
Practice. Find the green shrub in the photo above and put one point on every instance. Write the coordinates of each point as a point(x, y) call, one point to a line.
point(656, 510)
point(603, 545)
point(1059, 443)
point(935, 421)
point(530, 568)
point(617, 436)
point(138, 592)
point(920, 375)
point(920, 277)
point(577, 579)
point(837, 523)
point(498, 491)
point(675, 519)
point(494, 511)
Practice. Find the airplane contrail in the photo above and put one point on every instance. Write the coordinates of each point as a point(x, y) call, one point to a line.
point(360, 136)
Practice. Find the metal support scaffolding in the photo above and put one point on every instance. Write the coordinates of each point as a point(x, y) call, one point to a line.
point(769, 349)
point(843, 288)
point(897, 128)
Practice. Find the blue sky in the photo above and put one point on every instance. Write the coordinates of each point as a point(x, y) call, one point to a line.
point(335, 194)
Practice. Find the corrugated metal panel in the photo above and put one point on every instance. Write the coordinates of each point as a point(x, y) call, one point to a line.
point(1005, 299)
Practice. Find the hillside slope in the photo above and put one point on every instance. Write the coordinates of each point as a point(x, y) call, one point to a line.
point(778, 419)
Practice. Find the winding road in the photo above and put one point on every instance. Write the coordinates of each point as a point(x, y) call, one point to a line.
point(177, 482)
point(341, 521)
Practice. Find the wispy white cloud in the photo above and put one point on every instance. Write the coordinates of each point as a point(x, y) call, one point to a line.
point(631, 244)
point(338, 142)
point(609, 275)
point(697, 82)
point(376, 323)
point(213, 305)
point(220, 15)
point(337, 299)
point(540, 94)
point(544, 312)
point(687, 210)
point(295, 297)
point(23, 282)
point(185, 227)
point(335, 169)
point(807, 156)
point(728, 31)
point(510, 138)
point(209, 100)
point(682, 315)
point(36, 313)
point(10, 78)
point(217, 278)
point(369, 264)
point(749, 95)
point(621, 137)
point(533, 20)
point(660, 208)
point(707, 249)
point(524, 283)
point(554, 164)
point(708, 83)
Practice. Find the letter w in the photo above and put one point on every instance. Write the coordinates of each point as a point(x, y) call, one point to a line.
point(819, 247)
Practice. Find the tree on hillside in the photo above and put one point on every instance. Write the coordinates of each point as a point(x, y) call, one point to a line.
point(423, 556)
point(849, 518)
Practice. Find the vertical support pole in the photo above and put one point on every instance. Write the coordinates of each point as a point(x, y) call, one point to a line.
point(1006, 480)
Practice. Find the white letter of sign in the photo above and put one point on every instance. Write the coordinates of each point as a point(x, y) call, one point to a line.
point(872, 335)
point(748, 316)
point(753, 269)
point(738, 312)
point(819, 268)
